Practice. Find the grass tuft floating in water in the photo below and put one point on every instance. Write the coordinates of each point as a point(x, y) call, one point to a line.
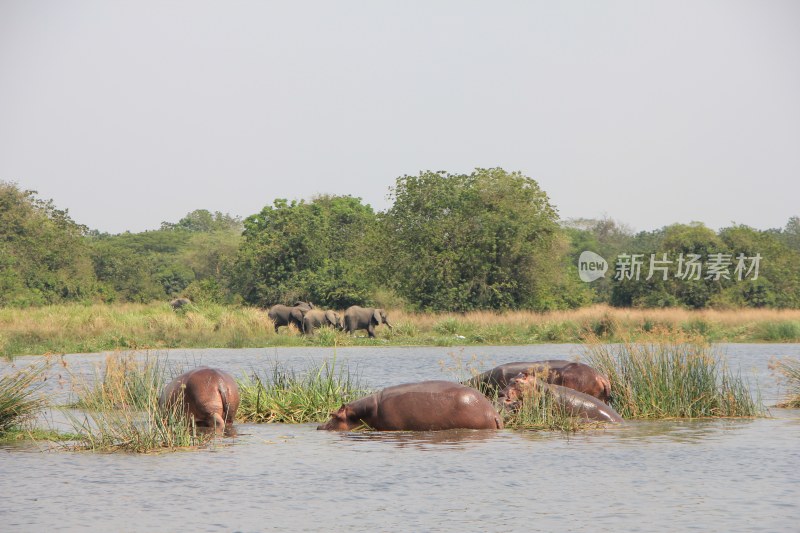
point(283, 396)
point(20, 400)
point(674, 376)
point(540, 409)
point(789, 369)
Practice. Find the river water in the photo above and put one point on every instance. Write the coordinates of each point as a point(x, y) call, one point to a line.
point(708, 475)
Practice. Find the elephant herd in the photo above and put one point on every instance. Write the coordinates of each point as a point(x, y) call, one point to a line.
point(305, 317)
point(211, 397)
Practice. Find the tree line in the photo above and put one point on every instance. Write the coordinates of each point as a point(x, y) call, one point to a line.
point(490, 239)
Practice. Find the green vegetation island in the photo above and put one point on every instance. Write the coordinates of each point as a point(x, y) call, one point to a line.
point(479, 258)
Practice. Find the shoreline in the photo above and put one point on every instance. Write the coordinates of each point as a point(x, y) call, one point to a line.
point(97, 328)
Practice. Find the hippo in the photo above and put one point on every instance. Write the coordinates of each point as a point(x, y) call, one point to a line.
point(210, 396)
point(578, 376)
point(579, 404)
point(424, 406)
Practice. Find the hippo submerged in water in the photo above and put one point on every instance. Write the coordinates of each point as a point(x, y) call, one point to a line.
point(424, 406)
point(577, 376)
point(209, 396)
point(576, 403)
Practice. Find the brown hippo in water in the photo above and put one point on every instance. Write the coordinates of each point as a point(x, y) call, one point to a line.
point(424, 406)
point(578, 376)
point(210, 396)
point(577, 403)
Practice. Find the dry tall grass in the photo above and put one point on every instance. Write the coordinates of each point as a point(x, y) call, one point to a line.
point(94, 328)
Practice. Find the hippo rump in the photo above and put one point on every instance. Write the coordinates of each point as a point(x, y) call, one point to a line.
point(210, 396)
point(578, 376)
point(424, 406)
point(577, 403)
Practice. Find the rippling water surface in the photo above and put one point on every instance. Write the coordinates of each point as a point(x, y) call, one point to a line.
point(719, 475)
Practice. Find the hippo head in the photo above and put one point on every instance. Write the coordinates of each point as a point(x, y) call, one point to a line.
point(342, 420)
point(521, 385)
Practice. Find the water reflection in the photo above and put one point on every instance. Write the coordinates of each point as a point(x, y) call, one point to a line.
point(738, 474)
point(455, 438)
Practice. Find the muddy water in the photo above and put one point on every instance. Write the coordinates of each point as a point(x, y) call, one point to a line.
point(721, 475)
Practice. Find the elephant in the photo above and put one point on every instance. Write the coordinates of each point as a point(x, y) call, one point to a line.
point(317, 317)
point(356, 317)
point(578, 376)
point(209, 396)
point(424, 406)
point(577, 403)
point(283, 315)
point(179, 303)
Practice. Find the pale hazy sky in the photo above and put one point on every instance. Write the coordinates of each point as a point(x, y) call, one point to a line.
point(133, 113)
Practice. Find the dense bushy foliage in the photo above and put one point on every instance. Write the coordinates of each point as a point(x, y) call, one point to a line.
point(43, 257)
point(315, 251)
point(485, 240)
point(450, 242)
point(774, 283)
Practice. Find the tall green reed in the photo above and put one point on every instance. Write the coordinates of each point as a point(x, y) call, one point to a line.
point(284, 396)
point(20, 400)
point(789, 369)
point(125, 381)
point(672, 377)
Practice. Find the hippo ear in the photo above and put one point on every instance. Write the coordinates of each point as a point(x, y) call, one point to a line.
point(341, 414)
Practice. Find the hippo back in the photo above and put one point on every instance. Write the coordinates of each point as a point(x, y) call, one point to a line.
point(499, 377)
point(434, 405)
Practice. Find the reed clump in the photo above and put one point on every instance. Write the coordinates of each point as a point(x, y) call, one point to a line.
point(789, 370)
point(674, 376)
point(126, 381)
point(281, 395)
point(20, 398)
point(145, 430)
point(540, 409)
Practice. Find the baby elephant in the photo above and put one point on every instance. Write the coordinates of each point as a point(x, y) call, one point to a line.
point(316, 318)
point(209, 396)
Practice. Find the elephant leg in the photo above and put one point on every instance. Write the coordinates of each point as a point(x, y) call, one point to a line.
point(371, 331)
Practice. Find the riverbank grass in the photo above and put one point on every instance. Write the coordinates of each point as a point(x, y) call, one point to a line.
point(95, 328)
point(283, 396)
point(673, 376)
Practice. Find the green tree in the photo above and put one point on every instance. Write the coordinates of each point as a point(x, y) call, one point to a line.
point(605, 237)
point(314, 251)
point(204, 221)
point(676, 241)
point(485, 240)
point(778, 282)
point(43, 258)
